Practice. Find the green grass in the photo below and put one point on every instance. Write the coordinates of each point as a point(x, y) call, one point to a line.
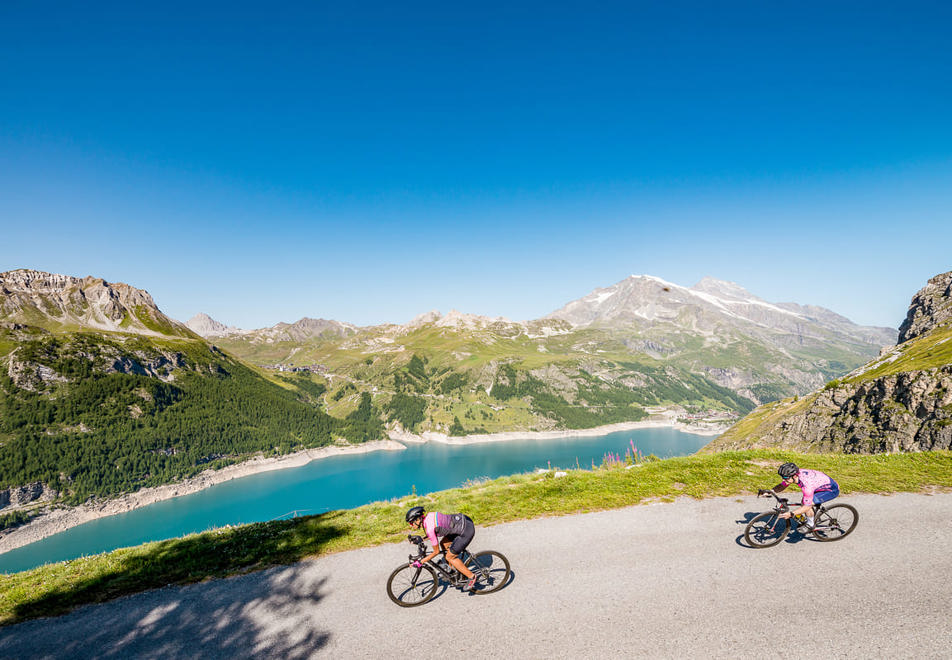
point(766, 416)
point(931, 350)
point(56, 588)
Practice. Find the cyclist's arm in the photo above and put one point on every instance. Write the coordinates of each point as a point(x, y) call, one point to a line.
point(436, 551)
point(806, 506)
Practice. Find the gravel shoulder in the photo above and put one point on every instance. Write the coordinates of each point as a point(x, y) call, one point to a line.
point(664, 580)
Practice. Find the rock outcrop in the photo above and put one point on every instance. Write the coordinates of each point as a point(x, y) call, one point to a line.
point(23, 495)
point(930, 307)
point(911, 411)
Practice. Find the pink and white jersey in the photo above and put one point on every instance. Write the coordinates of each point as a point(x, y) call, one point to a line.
point(440, 524)
point(810, 481)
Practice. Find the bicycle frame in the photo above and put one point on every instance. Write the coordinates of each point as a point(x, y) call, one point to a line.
point(783, 506)
point(439, 563)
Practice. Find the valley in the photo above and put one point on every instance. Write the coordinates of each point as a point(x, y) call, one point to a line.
point(104, 395)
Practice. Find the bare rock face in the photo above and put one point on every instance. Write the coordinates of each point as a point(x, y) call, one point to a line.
point(31, 376)
point(22, 495)
point(930, 307)
point(910, 411)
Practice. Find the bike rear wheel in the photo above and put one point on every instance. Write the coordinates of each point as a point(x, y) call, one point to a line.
point(835, 522)
point(766, 529)
point(409, 586)
point(491, 569)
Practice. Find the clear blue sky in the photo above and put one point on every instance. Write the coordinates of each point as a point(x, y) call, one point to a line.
point(369, 162)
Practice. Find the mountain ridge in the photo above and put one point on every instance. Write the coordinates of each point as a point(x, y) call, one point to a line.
point(641, 298)
point(54, 301)
point(711, 291)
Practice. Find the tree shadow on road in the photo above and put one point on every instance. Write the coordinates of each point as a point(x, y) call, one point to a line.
point(266, 614)
point(217, 553)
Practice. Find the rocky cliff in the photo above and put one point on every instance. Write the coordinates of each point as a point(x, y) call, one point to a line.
point(902, 401)
point(930, 307)
point(53, 301)
point(20, 496)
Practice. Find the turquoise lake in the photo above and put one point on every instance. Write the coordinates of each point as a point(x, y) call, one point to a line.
point(339, 482)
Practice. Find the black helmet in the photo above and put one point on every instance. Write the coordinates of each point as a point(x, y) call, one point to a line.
point(414, 513)
point(787, 470)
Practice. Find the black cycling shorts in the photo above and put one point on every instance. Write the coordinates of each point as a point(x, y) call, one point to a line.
point(461, 540)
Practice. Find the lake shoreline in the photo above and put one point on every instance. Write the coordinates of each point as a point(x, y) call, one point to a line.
point(657, 422)
point(60, 519)
point(63, 518)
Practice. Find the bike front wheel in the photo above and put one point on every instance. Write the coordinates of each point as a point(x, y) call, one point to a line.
point(491, 569)
point(835, 522)
point(409, 586)
point(766, 530)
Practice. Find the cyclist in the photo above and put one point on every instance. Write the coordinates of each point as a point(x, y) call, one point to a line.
point(815, 486)
point(457, 531)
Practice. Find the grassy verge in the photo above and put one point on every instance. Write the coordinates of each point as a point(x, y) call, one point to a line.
point(56, 588)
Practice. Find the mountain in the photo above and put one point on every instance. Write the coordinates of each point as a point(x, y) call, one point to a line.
point(900, 401)
point(759, 349)
point(613, 355)
point(101, 393)
point(301, 330)
point(711, 306)
point(60, 302)
point(206, 326)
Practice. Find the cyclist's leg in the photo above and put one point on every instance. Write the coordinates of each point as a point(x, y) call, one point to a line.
point(821, 496)
point(460, 541)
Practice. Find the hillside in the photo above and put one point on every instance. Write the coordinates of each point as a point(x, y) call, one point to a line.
point(604, 358)
point(101, 393)
point(461, 374)
point(901, 401)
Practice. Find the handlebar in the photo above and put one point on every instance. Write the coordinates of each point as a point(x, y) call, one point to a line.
point(421, 547)
point(782, 500)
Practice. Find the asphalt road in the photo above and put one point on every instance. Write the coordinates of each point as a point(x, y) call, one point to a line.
point(664, 580)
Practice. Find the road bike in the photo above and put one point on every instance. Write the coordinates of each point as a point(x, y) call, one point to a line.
point(409, 585)
point(831, 523)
